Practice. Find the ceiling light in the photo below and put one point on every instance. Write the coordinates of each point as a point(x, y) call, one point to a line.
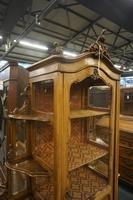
point(130, 70)
point(68, 53)
point(15, 41)
point(1, 37)
point(33, 45)
point(25, 65)
point(1, 85)
point(3, 62)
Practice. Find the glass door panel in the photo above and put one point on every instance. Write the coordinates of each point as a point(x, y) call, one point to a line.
point(89, 140)
point(43, 138)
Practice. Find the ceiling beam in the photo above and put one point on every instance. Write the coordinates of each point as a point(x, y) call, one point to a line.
point(116, 37)
point(15, 10)
point(117, 11)
point(82, 30)
point(99, 25)
point(44, 12)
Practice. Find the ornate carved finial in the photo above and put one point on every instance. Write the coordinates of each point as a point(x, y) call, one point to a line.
point(99, 45)
point(95, 74)
point(57, 50)
point(26, 108)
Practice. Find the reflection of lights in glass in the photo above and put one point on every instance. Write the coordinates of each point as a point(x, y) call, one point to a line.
point(25, 65)
point(68, 53)
point(127, 96)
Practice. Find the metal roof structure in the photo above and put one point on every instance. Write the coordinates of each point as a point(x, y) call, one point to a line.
point(30, 28)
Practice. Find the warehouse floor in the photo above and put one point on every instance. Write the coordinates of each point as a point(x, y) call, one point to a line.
point(125, 192)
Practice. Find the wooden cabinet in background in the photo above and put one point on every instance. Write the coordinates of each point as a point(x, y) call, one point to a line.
point(126, 149)
point(126, 101)
point(15, 79)
point(56, 144)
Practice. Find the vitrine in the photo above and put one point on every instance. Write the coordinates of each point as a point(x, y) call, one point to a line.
point(57, 139)
point(14, 79)
point(126, 101)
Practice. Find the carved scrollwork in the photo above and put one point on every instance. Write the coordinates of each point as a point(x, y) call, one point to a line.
point(99, 47)
point(95, 74)
point(26, 107)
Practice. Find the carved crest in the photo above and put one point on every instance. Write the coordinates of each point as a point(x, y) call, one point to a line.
point(99, 46)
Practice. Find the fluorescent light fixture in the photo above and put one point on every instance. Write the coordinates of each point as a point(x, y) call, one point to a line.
point(130, 70)
point(25, 65)
point(117, 66)
point(1, 37)
point(1, 85)
point(33, 45)
point(71, 54)
point(3, 62)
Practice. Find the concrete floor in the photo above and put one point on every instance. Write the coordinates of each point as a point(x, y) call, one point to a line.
point(125, 192)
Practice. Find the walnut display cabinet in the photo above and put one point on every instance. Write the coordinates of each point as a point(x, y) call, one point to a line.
point(58, 149)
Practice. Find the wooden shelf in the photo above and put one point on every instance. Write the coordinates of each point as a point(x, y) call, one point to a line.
point(34, 117)
point(78, 155)
point(99, 167)
point(81, 154)
point(126, 125)
point(29, 167)
point(83, 177)
point(86, 113)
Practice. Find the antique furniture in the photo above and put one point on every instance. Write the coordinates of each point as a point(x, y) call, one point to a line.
point(126, 135)
point(15, 79)
point(126, 149)
point(126, 101)
point(57, 148)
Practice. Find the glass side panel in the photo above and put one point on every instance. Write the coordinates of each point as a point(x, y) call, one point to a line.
point(21, 138)
point(99, 96)
point(43, 96)
point(89, 140)
point(98, 130)
point(43, 140)
point(19, 182)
